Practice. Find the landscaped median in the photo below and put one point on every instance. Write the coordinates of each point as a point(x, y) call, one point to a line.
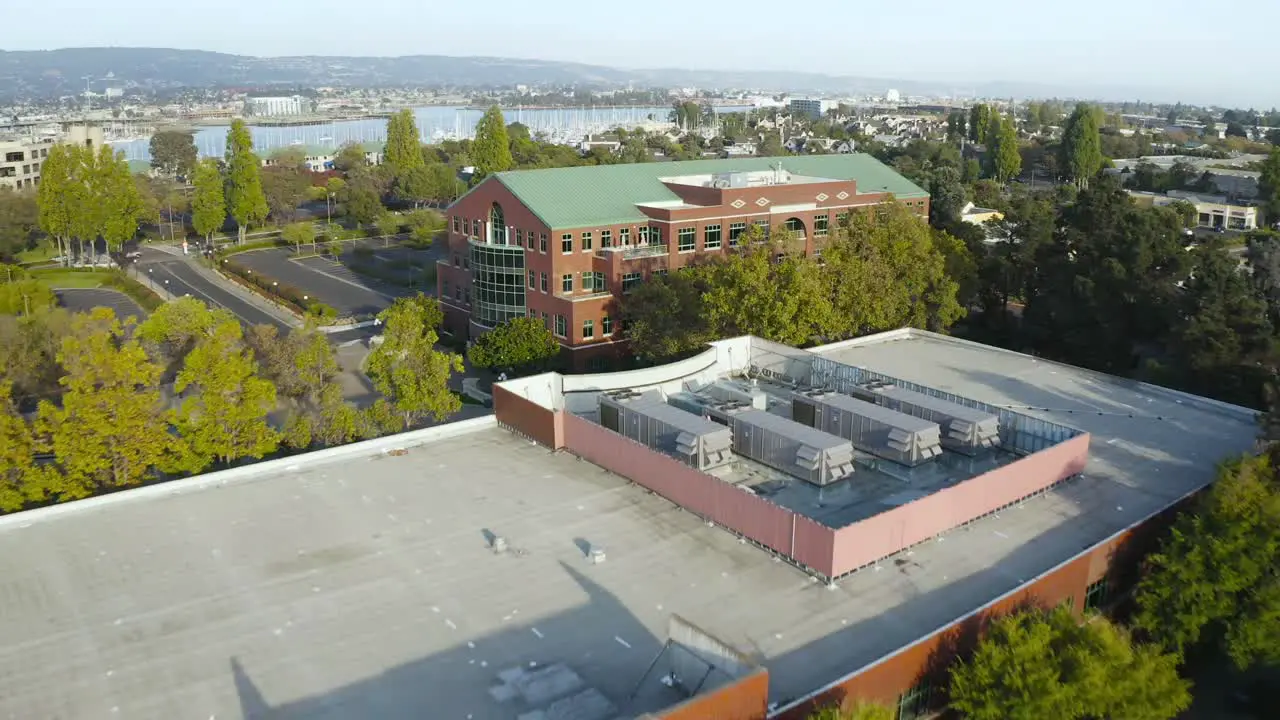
point(285, 296)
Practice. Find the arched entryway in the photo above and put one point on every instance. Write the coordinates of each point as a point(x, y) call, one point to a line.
point(796, 226)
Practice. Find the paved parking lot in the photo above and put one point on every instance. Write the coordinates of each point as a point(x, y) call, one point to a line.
point(83, 300)
point(333, 284)
point(179, 278)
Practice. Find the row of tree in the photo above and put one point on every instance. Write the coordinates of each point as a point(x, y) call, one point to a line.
point(89, 403)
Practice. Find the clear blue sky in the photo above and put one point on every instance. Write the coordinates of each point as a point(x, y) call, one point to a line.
point(1176, 49)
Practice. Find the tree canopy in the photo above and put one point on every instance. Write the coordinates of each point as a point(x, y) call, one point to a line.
point(491, 150)
point(403, 149)
point(173, 152)
point(246, 203)
point(517, 344)
point(208, 204)
point(407, 368)
point(1082, 145)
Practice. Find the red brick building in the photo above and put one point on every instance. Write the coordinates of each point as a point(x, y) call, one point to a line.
point(564, 244)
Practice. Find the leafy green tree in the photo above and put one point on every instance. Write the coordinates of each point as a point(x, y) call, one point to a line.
point(388, 224)
point(289, 158)
point(407, 369)
point(517, 344)
point(246, 203)
point(360, 198)
point(1082, 146)
point(60, 196)
point(299, 234)
point(1212, 582)
point(423, 225)
point(285, 188)
point(173, 329)
point(1269, 186)
point(491, 150)
point(783, 300)
point(1036, 664)
point(28, 352)
point(112, 428)
point(1006, 161)
point(208, 204)
point(416, 185)
point(119, 202)
point(17, 452)
point(980, 117)
point(350, 157)
point(173, 152)
point(21, 295)
point(859, 711)
point(226, 418)
point(403, 151)
point(664, 317)
point(19, 222)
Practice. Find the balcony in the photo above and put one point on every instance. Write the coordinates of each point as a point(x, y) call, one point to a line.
point(630, 252)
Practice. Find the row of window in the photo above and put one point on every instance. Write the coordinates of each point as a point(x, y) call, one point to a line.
point(589, 282)
point(559, 325)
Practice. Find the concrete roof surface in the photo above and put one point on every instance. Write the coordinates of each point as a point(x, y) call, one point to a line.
point(365, 587)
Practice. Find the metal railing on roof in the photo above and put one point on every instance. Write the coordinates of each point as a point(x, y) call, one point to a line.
point(636, 251)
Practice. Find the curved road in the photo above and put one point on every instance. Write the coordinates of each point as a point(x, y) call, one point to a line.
point(183, 280)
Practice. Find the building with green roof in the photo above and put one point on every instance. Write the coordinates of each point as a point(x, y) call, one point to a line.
point(562, 244)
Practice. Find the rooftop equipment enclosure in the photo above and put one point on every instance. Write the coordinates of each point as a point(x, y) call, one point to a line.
point(803, 452)
point(964, 429)
point(885, 433)
point(694, 440)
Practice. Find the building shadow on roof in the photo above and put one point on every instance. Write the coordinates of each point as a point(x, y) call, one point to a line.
point(600, 641)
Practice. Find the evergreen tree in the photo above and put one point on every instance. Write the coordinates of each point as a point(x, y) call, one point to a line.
point(403, 151)
point(1006, 162)
point(208, 203)
point(1269, 186)
point(491, 150)
point(246, 203)
point(1082, 146)
point(118, 198)
point(56, 196)
point(980, 124)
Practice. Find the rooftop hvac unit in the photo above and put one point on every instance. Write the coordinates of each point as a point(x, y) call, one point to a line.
point(692, 439)
point(802, 452)
point(964, 429)
point(892, 435)
point(733, 391)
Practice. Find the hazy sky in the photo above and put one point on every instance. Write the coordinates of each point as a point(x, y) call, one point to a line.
point(1171, 49)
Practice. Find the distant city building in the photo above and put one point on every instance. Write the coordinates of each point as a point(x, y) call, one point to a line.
point(21, 157)
point(277, 106)
point(808, 107)
point(565, 244)
point(893, 96)
point(1212, 211)
point(113, 93)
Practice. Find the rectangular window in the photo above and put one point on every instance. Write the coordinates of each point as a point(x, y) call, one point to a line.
point(475, 228)
point(630, 280)
point(594, 282)
point(533, 280)
point(711, 237)
point(566, 243)
point(542, 242)
point(545, 322)
point(520, 237)
point(466, 295)
point(687, 239)
point(588, 329)
point(842, 219)
point(642, 236)
point(562, 326)
point(586, 241)
point(655, 236)
point(606, 326)
point(624, 237)
point(457, 294)
point(566, 283)
point(819, 225)
point(444, 288)
point(735, 231)
point(915, 703)
point(456, 223)
point(659, 273)
point(544, 282)
point(456, 261)
point(606, 238)
point(1095, 597)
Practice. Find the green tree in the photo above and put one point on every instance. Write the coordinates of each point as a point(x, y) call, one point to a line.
point(1212, 581)
point(246, 203)
point(17, 452)
point(116, 196)
point(208, 204)
point(664, 317)
point(406, 367)
point(1006, 161)
point(29, 352)
point(19, 222)
point(1035, 664)
point(350, 157)
point(416, 185)
point(1082, 146)
point(753, 293)
point(299, 234)
point(60, 196)
point(1269, 186)
point(859, 711)
point(112, 428)
point(980, 117)
point(173, 152)
point(491, 150)
point(360, 198)
point(173, 329)
point(284, 188)
point(226, 417)
point(289, 158)
point(516, 345)
point(403, 151)
point(389, 224)
point(423, 225)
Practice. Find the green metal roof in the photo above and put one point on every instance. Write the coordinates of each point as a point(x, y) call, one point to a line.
point(607, 194)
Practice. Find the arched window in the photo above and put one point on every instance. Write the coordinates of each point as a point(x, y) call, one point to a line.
point(497, 225)
point(795, 225)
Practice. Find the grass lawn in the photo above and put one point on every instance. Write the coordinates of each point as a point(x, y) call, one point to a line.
point(70, 278)
point(44, 252)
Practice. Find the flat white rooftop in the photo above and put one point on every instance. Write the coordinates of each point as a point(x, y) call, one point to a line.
point(365, 587)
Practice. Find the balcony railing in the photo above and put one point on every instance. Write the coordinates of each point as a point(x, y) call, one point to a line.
point(629, 252)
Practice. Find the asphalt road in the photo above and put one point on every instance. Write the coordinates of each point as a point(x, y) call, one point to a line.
point(332, 283)
point(84, 300)
point(180, 279)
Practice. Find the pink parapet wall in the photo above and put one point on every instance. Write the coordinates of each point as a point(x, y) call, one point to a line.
point(773, 526)
point(887, 533)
